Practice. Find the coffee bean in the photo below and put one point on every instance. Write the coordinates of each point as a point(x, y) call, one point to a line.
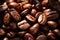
point(28, 36)
point(21, 34)
point(9, 1)
point(5, 38)
point(6, 18)
point(52, 24)
point(15, 15)
point(10, 34)
point(42, 19)
point(51, 35)
point(41, 37)
point(33, 12)
point(57, 31)
point(2, 32)
point(27, 6)
point(13, 26)
point(24, 12)
point(13, 4)
point(44, 2)
point(53, 17)
point(37, 14)
point(3, 7)
point(23, 25)
point(34, 28)
point(30, 18)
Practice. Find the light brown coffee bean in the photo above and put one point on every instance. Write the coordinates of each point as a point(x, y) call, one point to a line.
point(30, 18)
point(34, 28)
point(28, 36)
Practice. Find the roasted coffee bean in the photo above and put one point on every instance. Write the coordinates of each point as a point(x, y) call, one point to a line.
point(34, 28)
point(27, 6)
point(42, 19)
point(24, 12)
point(23, 25)
point(15, 15)
point(41, 37)
point(6, 18)
point(30, 18)
point(28, 36)
point(2, 32)
point(53, 17)
point(9, 1)
point(3, 7)
point(52, 24)
point(21, 34)
point(51, 35)
point(10, 34)
point(5, 38)
point(33, 12)
point(13, 4)
point(45, 28)
point(47, 11)
point(13, 26)
point(37, 14)
point(57, 31)
point(44, 2)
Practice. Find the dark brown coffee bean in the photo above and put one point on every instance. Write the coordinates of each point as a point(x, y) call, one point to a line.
point(42, 19)
point(52, 24)
point(13, 4)
point(34, 28)
point(53, 16)
point(21, 34)
point(51, 35)
point(15, 15)
point(27, 6)
point(10, 34)
point(23, 25)
point(45, 28)
point(33, 12)
point(28, 36)
point(6, 18)
point(57, 31)
point(24, 12)
point(30, 18)
point(2, 32)
point(13, 26)
point(5, 38)
point(41, 37)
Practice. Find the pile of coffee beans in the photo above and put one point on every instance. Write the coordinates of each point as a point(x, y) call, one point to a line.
point(29, 19)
